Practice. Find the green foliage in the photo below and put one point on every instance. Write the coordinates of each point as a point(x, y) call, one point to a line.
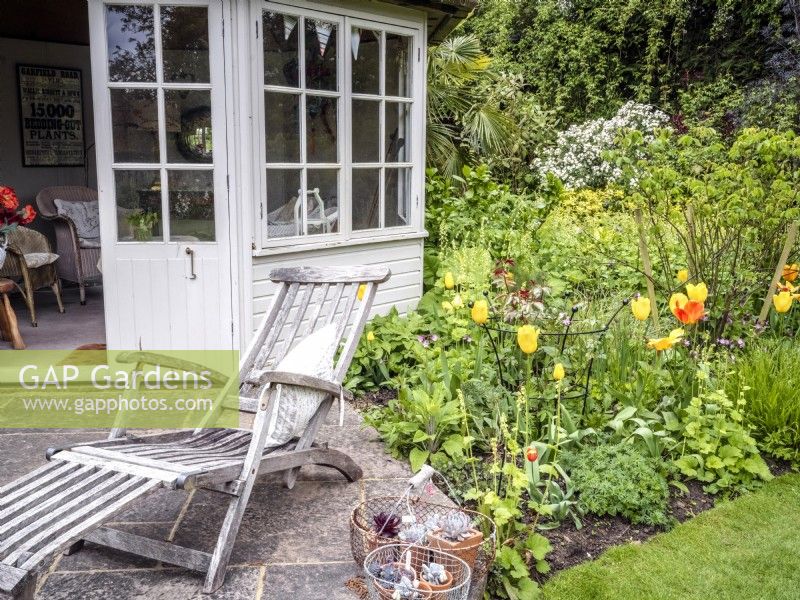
point(471, 266)
point(464, 118)
point(716, 447)
point(521, 549)
point(616, 479)
point(587, 245)
point(394, 352)
point(424, 423)
point(585, 58)
point(713, 102)
point(769, 379)
point(647, 430)
point(423, 427)
point(477, 211)
point(728, 203)
point(550, 488)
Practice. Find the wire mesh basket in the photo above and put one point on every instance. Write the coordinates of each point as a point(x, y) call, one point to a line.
point(477, 551)
point(410, 572)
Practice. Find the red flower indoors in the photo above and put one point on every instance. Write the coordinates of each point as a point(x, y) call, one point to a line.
point(690, 313)
point(8, 199)
point(10, 213)
point(28, 215)
point(531, 454)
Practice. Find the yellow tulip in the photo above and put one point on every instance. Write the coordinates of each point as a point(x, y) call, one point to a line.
point(528, 338)
point(676, 301)
point(449, 281)
point(558, 372)
point(782, 302)
point(640, 307)
point(683, 275)
point(697, 292)
point(480, 312)
point(362, 289)
point(790, 272)
point(447, 306)
point(457, 301)
point(370, 336)
point(665, 343)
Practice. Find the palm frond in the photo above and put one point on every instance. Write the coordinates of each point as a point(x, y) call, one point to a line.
point(487, 128)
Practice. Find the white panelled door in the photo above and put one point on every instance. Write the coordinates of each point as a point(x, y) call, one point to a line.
point(159, 97)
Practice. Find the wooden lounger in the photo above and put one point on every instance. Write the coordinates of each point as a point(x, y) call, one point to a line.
point(69, 500)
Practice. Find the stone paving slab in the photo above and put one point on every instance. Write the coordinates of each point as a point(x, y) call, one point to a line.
point(293, 544)
point(242, 583)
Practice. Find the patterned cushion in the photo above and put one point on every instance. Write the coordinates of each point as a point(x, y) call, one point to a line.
point(312, 356)
point(85, 215)
point(34, 260)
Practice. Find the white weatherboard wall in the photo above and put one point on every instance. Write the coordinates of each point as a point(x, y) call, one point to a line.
point(403, 257)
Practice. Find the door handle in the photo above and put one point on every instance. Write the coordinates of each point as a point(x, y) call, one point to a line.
point(192, 274)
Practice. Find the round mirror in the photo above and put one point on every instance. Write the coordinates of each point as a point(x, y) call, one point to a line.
point(194, 141)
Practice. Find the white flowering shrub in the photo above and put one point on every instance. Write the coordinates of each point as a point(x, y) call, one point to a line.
point(577, 157)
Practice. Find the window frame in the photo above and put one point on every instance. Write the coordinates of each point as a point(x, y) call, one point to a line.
point(345, 19)
point(163, 166)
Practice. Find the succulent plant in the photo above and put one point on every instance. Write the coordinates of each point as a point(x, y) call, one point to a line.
point(375, 570)
point(432, 522)
point(386, 524)
point(392, 573)
point(414, 534)
point(455, 526)
point(406, 590)
point(434, 573)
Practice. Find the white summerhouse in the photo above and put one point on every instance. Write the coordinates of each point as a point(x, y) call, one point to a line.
point(258, 134)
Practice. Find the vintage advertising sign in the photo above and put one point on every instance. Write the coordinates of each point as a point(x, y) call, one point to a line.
point(51, 113)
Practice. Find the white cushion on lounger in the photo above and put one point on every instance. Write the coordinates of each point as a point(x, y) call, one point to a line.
point(312, 356)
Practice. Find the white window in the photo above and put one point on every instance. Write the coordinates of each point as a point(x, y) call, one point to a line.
point(341, 146)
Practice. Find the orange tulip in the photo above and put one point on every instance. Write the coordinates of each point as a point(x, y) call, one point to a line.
point(790, 272)
point(690, 313)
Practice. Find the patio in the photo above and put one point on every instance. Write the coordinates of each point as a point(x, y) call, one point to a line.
point(292, 544)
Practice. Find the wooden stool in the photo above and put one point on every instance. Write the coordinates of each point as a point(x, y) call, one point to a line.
point(8, 320)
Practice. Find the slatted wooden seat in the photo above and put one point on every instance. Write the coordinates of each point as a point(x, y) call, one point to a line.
point(68, 500)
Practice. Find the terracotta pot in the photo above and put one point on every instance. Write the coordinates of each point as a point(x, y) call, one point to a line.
point(440, 587)
point(424, 590)
point(466, 550)
point(424, 586)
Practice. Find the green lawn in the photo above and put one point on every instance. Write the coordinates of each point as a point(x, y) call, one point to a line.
point(747, 548)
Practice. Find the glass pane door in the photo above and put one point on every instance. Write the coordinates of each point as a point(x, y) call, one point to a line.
point(159, 81)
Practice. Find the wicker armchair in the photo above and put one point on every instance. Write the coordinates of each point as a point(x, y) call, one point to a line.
point(31, 262)
point(79, 259)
